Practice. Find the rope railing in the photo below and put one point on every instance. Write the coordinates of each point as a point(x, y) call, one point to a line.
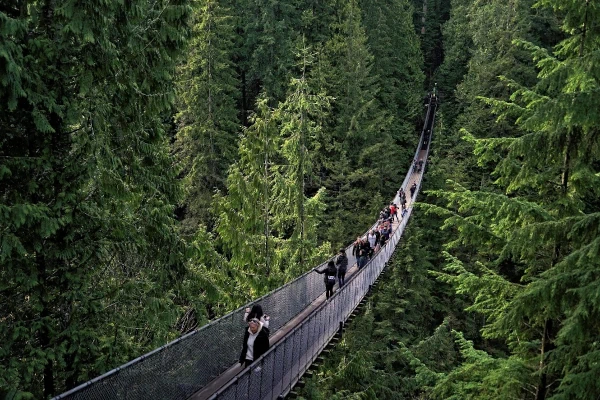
point(184, 366)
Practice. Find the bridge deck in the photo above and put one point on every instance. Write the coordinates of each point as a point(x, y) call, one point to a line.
point(206, 392)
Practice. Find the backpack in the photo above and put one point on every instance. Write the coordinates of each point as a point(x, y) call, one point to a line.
point(330, 278)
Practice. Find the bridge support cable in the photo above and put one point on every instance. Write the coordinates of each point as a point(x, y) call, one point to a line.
point(184, 366)
point(275, 373)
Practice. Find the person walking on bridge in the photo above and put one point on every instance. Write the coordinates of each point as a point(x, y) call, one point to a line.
point(258, 313)
point(394, 212)
point(361, 251)
point(342, 266)
point(413, 189)
point(372, 239)
point(356, 249)
point(330, 277)
point(256, 341)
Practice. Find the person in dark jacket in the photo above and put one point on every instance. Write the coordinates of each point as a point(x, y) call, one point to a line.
point(365, 250)
point(413, 189)
point(356, 249)
point(256, 341)
point(330, 275)
point(342, 266)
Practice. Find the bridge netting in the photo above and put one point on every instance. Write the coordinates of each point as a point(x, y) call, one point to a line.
point(182, 367)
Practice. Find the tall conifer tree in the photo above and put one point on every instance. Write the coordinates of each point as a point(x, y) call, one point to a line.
point(207, 119)
point(88, 243)
point(301, 115)
point(356, 124)
point(271, 30)
point(244, 213)
point(539, 293)
point(266, 222)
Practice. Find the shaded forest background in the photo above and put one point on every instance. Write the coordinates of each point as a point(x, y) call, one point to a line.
point(494, 292)
point(164, 162)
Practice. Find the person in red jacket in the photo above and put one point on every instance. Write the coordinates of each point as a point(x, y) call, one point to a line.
point(394, 212)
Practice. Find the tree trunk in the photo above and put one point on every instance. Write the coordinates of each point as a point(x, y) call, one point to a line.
point(547, 345)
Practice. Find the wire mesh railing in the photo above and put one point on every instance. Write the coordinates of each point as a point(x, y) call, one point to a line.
point(275, 373)
point(184, 366)
point(278, 370)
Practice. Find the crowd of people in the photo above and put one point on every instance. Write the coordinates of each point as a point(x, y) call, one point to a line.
point(256, 337)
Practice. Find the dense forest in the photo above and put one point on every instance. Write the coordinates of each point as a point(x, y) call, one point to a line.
point(164, 162)
point(495, 290)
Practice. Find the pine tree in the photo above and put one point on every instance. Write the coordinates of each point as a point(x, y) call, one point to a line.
point(301, 116)
point(430, 16)
point(397, 67)
point(244, 213)
point(267, 224)
point(271, 32)
point(458, 47)
point(350, 165)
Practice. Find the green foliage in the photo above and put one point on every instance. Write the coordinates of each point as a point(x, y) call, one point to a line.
point(244, 212)
point(207, 119)
point(481, 376)
point(535, 245)
point(89, 245)
point(271, 32)
point(430, 15)
point(394, 349)
point(301, 123)
point(370, 125)
point(118, 118)
point(267, 223)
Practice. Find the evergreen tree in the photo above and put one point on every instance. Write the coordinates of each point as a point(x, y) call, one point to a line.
point(429, 18)
point(266, 222)
point(244, 214)
point(397, 67)
point(207, 117)
point(458, 47)
point(87, 190)
point(541, 236)
point(301, 117)
point(350, 164)
point(271, 32)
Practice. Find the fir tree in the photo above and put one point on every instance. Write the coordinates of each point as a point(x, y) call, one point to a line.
point(244, 214)
point(87, 192)
point(271, 30)
point(266, 222)
point(301, 116)
point(207, 117)
point(358, 130)
point(541, 234)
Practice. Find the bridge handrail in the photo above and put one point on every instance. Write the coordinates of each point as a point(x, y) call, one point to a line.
point(155, 367)
point(276, 372)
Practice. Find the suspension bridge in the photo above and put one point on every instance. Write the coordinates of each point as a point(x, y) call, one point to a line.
point(203, 364)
